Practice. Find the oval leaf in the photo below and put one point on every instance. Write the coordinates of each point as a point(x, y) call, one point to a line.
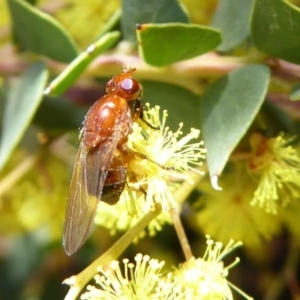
point(228, 108)
point(40, 33)
point(163, 44)
point(75, 69)
point(140, 12)
point(59, 115)
point(23, 100)
point(276, 119)
point(232, 19)
point(275, 29)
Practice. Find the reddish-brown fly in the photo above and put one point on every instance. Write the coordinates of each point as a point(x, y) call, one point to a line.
point(102, 159)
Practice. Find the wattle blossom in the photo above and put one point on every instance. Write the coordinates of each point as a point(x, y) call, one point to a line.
point(166, 159)
point(275, 165)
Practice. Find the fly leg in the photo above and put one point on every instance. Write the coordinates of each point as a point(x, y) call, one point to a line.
point(136, 109)
point(143, 156)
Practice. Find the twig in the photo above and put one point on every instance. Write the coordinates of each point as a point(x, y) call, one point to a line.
point(181, 234)
point(78, 282)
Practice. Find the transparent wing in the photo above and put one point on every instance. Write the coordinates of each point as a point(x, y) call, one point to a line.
point(86, 187)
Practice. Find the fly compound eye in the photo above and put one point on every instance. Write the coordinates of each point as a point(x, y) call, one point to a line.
point(130, 87)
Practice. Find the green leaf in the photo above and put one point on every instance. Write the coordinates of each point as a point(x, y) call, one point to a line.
point(228, 108)
point(232, 19)
point(275, 29)
point(163, 44)
point(23, 100)
point(151, 11)
point(181, 104)
point(276, 119)
point(76, 68)
point(59, 115)
point(40, 33)
point(295, 93)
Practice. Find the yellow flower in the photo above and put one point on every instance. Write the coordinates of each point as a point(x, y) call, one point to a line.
point(201, 279)
point(205, 278)
point(228, 213)
point(119, 217)
point(167, 157)
point(275, 164)
point(164, 157)
point(137, 281)
point(35, 203)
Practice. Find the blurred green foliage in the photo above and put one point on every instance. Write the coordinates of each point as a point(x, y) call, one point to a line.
point(227, 67)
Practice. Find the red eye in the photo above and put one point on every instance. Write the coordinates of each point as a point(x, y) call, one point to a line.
point(130, 86)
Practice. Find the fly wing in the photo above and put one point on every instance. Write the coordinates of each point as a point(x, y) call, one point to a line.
point(86, 187)
point(80, 206)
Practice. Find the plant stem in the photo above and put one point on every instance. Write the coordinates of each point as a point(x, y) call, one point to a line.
point(187, 187)
point(181, 234)
point(78, 282)
point(180, 195)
